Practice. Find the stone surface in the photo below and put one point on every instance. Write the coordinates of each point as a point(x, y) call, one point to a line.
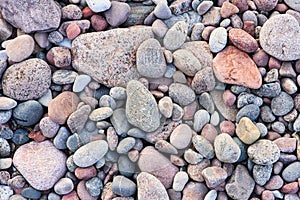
point(204, 81)
point(29, 79)
point(48, 161)
point(98, 6)
point(100, 114)
point(160, 166)
point(62, 106)
point(113, 64)
point(150, 61)
point(265, 5)
point(214, 176)
point(230, 66)
point(123, 186)
point(64, 186)
point(243, 40)
point(262, 173)
point(20, 48)
point(7, 103)
point(247, 131)
point(291, 172)
point(37, 20)
point(226, 148)
point(194, 191)
point(282, 104)
point(186, 62)
point(263, 152)
point(28, 113)
point(117, 14)
point(294, 4)
point(203, 146)
point(218, 39)
point(175, 36)
point(277, 41)
point(149, 187)
point(141, 107)
point(181, 136)
point(181, 94)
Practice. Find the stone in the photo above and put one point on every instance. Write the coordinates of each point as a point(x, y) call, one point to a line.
point(293, 4)
point(59, 56)
point(78, 118)
point(119, 121)
point(228, 9)
point(218, 39)
point(243, 40)
point(241, 184)
point(165, 147)
point(214, 176)
point(7, 103)
point(84, 25)
point(192, 157)
point(262, 173)
point(71, 11)
point(181, 94)
point(231, 64)
point(62, 77)
point(85, 173)
point(28, 113)
point(90, 153)
point(194, 171)
point(159, 28)
point(5, 30)
point(27, 80)
point(204, 81)
point(291, 172)
point(282, 104)
point(116, 55)
point(61, 137)
point(94, 186)
point(263, 152)
point(38, 20)
point(99, 23)
point(149, 187)
point(160, 166)
point(212, 17)
point(117, 14)
point(141, 107)
point(286, 145)
point(48, 127)
point(265, 5)
point(203, 146)
point(48, 161)
point(277, 42)
point(55, 37)
point(31, 193)
point(5, 116)
point(62, 106)
point(82, 191)
point(180, 179)
point(126, 145)
point(4, 147)
point(150, 61)
point(180, 6)
point(162, 10)
point(194, 191)
point(185, 61)
point(181, 136)
point(101, 114)
point(72, 31)
point(20, 48)
point(247, 131)
point(64, 186)
point(123, 186)
point(175, 36)
point(165, 106)
point(204, 6)
point(98, 6)
point(226, 149)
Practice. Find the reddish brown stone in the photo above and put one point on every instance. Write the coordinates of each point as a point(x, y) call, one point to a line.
point(62, 106)
point(37, 136)
point(98, 22)
point(241, 4)
point(72, 31)
point(230, 66)
point(281, 7)
point(85, 173)
point(249, 27)
point(59, 56)
point(87, 12)
point(71, 196)
point(274, 183)
point(243, 40)
point(227, 127)
point(228, 9)
point(290, 188)
point(274, 63)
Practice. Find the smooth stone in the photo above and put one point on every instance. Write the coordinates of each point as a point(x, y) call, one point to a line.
point(181, 136)
point(94, 186)
point(204, 80)
point(107, 101)
point(48, 161)
point(277, 41)
point(31, 193)
point(247, 131)
point(149, 187)
point(262, 173)
point(204, 6)
point(78, 119)
point(33, 82)
point(6, 132)
point(181, 94)
point(192, 157)
point(6, 192)
point(294, 4)
point(123, 186)
point(5, 163)
point(120, 122)
point(214, 176)
point(203, 146)
point(201, 118)
point(180, 179)
point(46, 98)
point(150, 61)
point(100, 114)
point(185, 61)
point(125, 145)
point(243, 40)
point(206, 101)
point(291, 172)
point(64, 186)
point(226, 149)
point(98, 6)
point(20, 48)
point(28, 113)
point(218, 39)
point(250, 111)
point(4, 148)
point(117, 14)
point(48, 127)
point(61, 137)
point(165, 147)
point(20, 136)
point(165, 106)
point(141, 107)
point(176, 36)
point(194, 190)
point(90, 153)
point(126, 166)
point(282, 104)
point(162, 10)
point(263, 152)
point(5, 116)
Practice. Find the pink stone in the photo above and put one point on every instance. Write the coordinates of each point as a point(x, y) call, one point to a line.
point(85, 173)
point(229, 98)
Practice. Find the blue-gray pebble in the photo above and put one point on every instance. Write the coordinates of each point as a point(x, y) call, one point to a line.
point(28, 113)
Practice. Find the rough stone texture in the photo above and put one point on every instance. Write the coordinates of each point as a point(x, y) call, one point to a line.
point(247, 131)
point(263, 152)
point(282, 104)
point(29, 79)
point(62, 106)
point(214, 176)
point(160, 167)
point(194, 191)
point(266, 5)
point(181, 94)
point(243, 40)
point(150, 60)
point(49, 164)
point(204, 80)
point(291, 172)
point(20, 48)
point(114, 63)
point(141, 107)
point(149, 187)
point(276, 39)
point(294, 4)
point(241, 184)
point(31, 16)
point(231, 65)
point(176, 36)
point(77, 119)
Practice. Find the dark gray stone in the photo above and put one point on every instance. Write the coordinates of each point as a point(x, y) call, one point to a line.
point(28, 113)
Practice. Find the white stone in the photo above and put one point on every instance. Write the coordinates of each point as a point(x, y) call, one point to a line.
point(44, 100)
point(180, 179)
point(98, 5)
point(81, 82)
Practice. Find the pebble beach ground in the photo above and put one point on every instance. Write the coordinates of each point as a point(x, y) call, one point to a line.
point(150, 99)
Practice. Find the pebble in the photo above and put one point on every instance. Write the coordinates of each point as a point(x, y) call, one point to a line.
point(38, 20)
point(228, 9)
point(5, 116)
point(150, 61)
point(206, 101)
point(62, 106)
point(78, 119)
point(290, 188)
point(212, 17)
point(31, 193)
point(94, 186)
point(203, 80)
point(33, 84)
point(107, 101)
point(126, 166)
point(232, 59)
point(90, 153)
point(119, 121)
point(289, 86)
point(263, 152)
point(209, 132)
point(141, 107)
point(162, 10)
point(241, 184)
point(278, 127)
point(34, 153)
point(218, 39)
point(62, 77)
point(20, 136)
point(48, 127)
point(5, 163)
point(293, 4)
point(101, 114)
point(269, 90)
point(274, 183)
point(64, 186)
point(99, 23)
point(278, 43)
point(83, 193)
point(117, 14)
point(290, 173)
point(55, 37)
point(192, 157)
point(20, 48)
point(125, 145)
point(286, 145)
point(245, 98)
point(28, 113)
point(204, 6)
point(175, 36)
point(165, 147)
point(165, 106)
point(265, 5)
point(98, 6)
point(4, 148)
point(282, 104)
point(61, 138)
point(203, 146)
point(123, 186)
point(59, 57)
point(53, 196)
point(162, 168)
point(6, 132)
point(262, 173)
point(181, 94)
point(194, 191)
point(247, 131)
point(7, 103)
point(251, 111)
point(46, 98)
point(71, 11)
point(185, 61)
point(211, 195)
point(159, 28)
point(85, 173)
point(214, 176)
point(181, 136)
point(149, 187)
point(243, 40)
point(226, 149)
point(180, 179)
point(201, 118)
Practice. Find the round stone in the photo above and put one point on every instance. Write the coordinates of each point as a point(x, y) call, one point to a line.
point(64, 186)
point(7, 103)
point(123, 186)
point(181, 136)
point(20, 48)
point(263, 152)
point(27, 80)
point(247, 131)
point(5, 116)
point(118, 13)
point(180, 179)
point(28, 113)
point(125, 145)
point(294, 4)
point(243, 40)
point(203, 146)
point(181, 94)
point(94, 186)
point(201, 118)
point(48, 127)
point(186, 62)
point(291, 172)
point(100, 114)
point(81, 81)
point(226, 149)
point(282, 104)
